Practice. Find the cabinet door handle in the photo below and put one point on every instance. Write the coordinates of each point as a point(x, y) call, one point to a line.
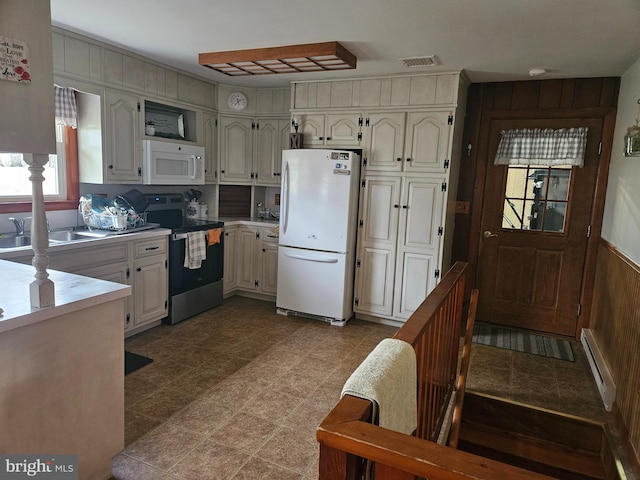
point(139, 269)
point(110, 167)
point(408, 159)
point(398, 159)
point(328, 138)
point(151, 248)
point(405, 206)
point(320, 138)
point(396, 206)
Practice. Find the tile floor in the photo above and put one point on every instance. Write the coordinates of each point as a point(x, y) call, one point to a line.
point(237, 392)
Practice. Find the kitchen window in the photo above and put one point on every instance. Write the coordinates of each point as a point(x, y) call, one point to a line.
point(60, 188)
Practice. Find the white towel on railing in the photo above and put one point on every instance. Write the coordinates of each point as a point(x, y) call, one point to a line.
point(195, 250)
point(388, 378)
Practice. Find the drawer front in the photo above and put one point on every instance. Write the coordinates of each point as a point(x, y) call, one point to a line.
point(153, 246)
point(268, 235)
point(75, 260)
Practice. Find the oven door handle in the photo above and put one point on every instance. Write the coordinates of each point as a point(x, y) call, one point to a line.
point(183, 236)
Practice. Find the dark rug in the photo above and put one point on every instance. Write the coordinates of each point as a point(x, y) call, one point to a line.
point(520, 341)
point(133, 362)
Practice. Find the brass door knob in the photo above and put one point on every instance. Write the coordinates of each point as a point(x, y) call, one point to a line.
point(488, 234)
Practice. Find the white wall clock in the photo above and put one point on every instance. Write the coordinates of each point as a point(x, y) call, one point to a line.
point(237, 101)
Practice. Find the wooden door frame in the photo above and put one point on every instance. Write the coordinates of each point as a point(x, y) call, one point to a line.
point(607, 115)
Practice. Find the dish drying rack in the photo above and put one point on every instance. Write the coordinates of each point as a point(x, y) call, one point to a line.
point(104, 216)
point(117, 222)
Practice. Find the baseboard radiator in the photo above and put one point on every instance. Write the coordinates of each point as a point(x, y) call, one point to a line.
point(599, 368)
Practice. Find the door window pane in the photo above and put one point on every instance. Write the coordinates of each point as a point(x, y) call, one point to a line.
point(536, 198)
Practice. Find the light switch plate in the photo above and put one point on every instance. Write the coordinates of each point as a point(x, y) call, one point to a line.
point(462, 207)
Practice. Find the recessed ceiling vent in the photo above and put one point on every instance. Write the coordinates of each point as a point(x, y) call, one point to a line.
point(420, 62)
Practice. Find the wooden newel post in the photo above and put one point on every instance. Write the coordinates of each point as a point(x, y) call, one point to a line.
point(41, 290)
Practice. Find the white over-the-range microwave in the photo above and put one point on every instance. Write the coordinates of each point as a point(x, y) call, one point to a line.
point(168, 163)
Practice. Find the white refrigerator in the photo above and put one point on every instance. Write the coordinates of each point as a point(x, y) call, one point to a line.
point(318, 223)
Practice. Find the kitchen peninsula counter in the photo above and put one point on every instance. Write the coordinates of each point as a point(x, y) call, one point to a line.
point(62, 385)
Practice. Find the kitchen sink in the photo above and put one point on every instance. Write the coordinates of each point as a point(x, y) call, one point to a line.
point(59, 236)
point(66, 236)
point(15, 241)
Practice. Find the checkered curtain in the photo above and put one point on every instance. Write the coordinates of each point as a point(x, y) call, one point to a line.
point(537, 146)
point(66, 111)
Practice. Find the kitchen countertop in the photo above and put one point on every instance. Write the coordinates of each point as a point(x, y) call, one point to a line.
point(9, 253)
point(72, 293)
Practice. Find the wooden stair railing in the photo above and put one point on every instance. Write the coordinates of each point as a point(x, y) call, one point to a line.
point(461, 383)
point(347, 437)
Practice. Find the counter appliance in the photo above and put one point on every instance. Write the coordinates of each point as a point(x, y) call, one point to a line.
point(191, 291)
point(318, 215)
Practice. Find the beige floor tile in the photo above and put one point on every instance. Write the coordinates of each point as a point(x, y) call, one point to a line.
point(258, 469)
point(210, 461)
point(290, 448)
point(237, 393)
point(163, 403)
point(272, 404)
point(164, 446)
point(136, 425)
point(202, 418)
point(244, 431)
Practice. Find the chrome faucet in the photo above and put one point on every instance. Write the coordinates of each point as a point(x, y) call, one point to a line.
point(19, 224)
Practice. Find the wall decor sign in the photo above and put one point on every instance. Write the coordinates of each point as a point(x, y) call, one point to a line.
point(14, 60)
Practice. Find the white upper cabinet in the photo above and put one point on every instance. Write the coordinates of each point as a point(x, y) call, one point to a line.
point(210, 132)
point(268, 152)
point(236, 149)
point(414, 142)
point(384, 141)
point(109, 138)
point(251, 149)
point(427, 140)
point(330, 130)
point(123, 140)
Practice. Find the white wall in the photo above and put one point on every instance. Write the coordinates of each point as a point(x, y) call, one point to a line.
point(621, 222)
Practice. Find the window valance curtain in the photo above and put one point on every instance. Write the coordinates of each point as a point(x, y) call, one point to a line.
point(538, 146)
point(65, 104)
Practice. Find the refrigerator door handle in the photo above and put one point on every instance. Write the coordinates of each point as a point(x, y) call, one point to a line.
point(311, 259)
point(284, 208)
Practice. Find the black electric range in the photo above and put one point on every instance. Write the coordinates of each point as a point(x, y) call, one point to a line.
point(196, 289)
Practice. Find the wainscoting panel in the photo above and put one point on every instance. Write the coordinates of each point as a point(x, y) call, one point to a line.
point(615, 322)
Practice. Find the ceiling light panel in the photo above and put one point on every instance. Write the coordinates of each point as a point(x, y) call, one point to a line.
point(290, 59)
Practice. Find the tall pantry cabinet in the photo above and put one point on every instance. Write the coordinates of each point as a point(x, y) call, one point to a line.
point(410, 133)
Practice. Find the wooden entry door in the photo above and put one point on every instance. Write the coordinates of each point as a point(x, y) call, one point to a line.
point(533, 244)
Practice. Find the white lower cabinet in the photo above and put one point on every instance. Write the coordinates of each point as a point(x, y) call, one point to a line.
point(139, 263)
point(251, 260)
point(150, 280)
point(269, 270)
point(399, 244)
point(247, 264)
point(118, 273)
point(230, 281)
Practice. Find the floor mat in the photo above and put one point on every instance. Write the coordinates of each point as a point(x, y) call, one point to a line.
point(133, 362)
point(485, 334)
